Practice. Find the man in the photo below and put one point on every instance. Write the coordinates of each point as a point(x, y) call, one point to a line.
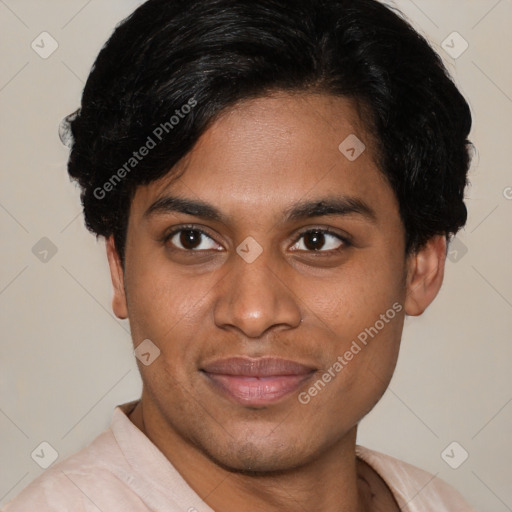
point(276, 183)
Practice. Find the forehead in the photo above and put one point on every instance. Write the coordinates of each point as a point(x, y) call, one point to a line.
point(265, 154)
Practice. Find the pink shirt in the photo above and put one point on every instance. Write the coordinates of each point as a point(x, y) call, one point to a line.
point(123, 471)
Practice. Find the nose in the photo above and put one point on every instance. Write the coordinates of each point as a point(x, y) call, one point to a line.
point(254, 298)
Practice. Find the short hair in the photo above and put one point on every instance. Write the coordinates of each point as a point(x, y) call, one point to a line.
point(176, 65)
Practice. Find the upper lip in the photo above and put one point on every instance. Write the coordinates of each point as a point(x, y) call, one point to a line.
point(256, 367)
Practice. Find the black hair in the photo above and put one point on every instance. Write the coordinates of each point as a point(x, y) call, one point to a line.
point(173, 66)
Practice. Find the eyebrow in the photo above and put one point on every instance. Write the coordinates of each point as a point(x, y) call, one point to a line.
point(170, 204)
point(339, 205)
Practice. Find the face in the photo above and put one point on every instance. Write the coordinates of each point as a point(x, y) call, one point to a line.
point(272, 277)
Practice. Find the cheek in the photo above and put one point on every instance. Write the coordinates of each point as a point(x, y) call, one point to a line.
point(165, 305)
point(362, 363)
point(358, 294)
point(363, 312)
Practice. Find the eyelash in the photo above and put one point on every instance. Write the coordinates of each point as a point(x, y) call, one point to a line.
point(325, 231)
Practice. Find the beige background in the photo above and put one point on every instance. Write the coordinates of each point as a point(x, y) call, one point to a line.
point(66, 361)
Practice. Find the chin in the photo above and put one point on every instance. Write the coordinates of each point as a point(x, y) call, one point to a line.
point(258, 458)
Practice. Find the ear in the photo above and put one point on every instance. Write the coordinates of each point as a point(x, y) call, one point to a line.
point(425, 275)
point(119, 304)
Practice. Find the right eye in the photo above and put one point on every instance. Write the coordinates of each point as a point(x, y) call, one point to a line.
point(191, 239)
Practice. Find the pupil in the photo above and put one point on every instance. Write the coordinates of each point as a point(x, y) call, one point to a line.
point(190, 239)
point(314, 240)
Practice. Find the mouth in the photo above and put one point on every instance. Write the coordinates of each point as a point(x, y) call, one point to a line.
point(256, 382)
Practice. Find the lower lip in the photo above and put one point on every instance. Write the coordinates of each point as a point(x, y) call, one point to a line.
point(254, 390)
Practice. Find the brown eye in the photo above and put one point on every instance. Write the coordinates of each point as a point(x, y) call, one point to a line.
point(192, 240)
point(319, 240)
point(314, 240)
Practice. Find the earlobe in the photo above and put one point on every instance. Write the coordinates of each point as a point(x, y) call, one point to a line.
point(425, 275)
point(119, 305)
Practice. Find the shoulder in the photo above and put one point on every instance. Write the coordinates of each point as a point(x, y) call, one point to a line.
point(77, 483)
point(414, 489)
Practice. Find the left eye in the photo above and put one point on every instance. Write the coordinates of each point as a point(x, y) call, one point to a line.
point(318, 240)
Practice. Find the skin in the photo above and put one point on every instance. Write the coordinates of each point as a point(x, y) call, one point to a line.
point(257, 160)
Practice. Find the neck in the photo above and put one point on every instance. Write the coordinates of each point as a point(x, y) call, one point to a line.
point(332, 482)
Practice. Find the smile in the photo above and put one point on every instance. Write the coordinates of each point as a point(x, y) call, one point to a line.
point(256, 381)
